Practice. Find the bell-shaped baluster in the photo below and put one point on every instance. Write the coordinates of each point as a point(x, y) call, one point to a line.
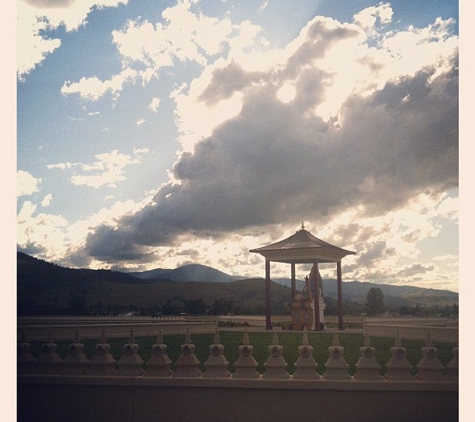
point(275, 364)
point(75, 362)
point(159, 363)
point(336, 366)
point(246, 365)
point(216, 365)
point(48, 361)
point(367, 367)
point(398, 368)
point(130, 364)
point(305, 366)
point(187, 364)
point(102, 363)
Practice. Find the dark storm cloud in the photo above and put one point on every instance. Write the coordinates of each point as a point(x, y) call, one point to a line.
point(106, 244)
point(356, 234)
point(33, 249)
point(273, 163)
point(373, 252)
point(227, 81)
point(415, 269)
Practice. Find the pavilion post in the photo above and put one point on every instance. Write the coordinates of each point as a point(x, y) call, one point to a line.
point(292, 280)
point(268, 307)
point(316, 300)
point(340, 296)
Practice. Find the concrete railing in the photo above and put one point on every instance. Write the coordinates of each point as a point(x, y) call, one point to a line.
point(115, 330)
point(76, 388)
point(95, 319)
point(440, 329)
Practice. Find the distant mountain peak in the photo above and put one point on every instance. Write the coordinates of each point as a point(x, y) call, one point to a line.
point(187, 272)
point(199, 272)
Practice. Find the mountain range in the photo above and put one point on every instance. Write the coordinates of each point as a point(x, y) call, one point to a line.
point(355, 291)
point(44, 287)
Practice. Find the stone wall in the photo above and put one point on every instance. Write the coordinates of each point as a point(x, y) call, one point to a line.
point(440, 329)
point(228, 400)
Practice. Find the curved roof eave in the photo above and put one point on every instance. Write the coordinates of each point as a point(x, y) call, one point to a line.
point(302, 247)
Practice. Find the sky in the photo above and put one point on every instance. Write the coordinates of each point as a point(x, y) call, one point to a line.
point(154, 134)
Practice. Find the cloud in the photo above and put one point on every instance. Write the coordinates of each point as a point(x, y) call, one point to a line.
point(117, 244)
point(33, 47)
point(228, 80)
point(26, 183)
point(50, 3)
point(352, 129)
point(93, 88)
point(53, 238)
point(61, 166)
point(327, 62)
point(36, 18)
point(39, 233)
point(414, 270)
point(275, 162)
point(107, 170)
point(47, 200)
point(154, 104)
point(369, 17)
point(399, 230)
point(146, 48)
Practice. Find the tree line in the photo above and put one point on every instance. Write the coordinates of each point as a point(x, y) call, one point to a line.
point(76, 305)
point(375, 306)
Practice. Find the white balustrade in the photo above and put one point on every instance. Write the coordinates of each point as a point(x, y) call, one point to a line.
point(75, 363)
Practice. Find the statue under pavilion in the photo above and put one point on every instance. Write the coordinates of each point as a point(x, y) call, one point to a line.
point(304, 248)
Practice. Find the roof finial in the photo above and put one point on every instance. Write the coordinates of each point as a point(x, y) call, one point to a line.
point(303, 226)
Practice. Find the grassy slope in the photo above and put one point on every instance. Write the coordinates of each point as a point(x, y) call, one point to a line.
point(246, 292)
point(44, 284)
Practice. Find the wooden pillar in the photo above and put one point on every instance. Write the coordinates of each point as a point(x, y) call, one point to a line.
point(292, 280)
point(268, 307)
point(340, 296)
point(316, 299)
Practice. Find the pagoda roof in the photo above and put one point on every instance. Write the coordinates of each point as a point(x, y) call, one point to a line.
point(302, 247)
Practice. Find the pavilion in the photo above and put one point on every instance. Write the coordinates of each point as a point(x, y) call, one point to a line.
point(303, 248)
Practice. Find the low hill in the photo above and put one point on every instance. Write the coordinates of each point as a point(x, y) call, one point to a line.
point(356, 291)
point(353, 291)
point(395, 296)
point(45, 288)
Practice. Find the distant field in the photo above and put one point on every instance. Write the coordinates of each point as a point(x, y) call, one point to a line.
point(331, 321)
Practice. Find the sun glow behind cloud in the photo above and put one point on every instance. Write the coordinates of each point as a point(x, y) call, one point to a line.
point(255, 125)
point(286, 93)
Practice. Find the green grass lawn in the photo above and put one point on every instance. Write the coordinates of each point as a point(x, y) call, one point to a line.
point(261, 341)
